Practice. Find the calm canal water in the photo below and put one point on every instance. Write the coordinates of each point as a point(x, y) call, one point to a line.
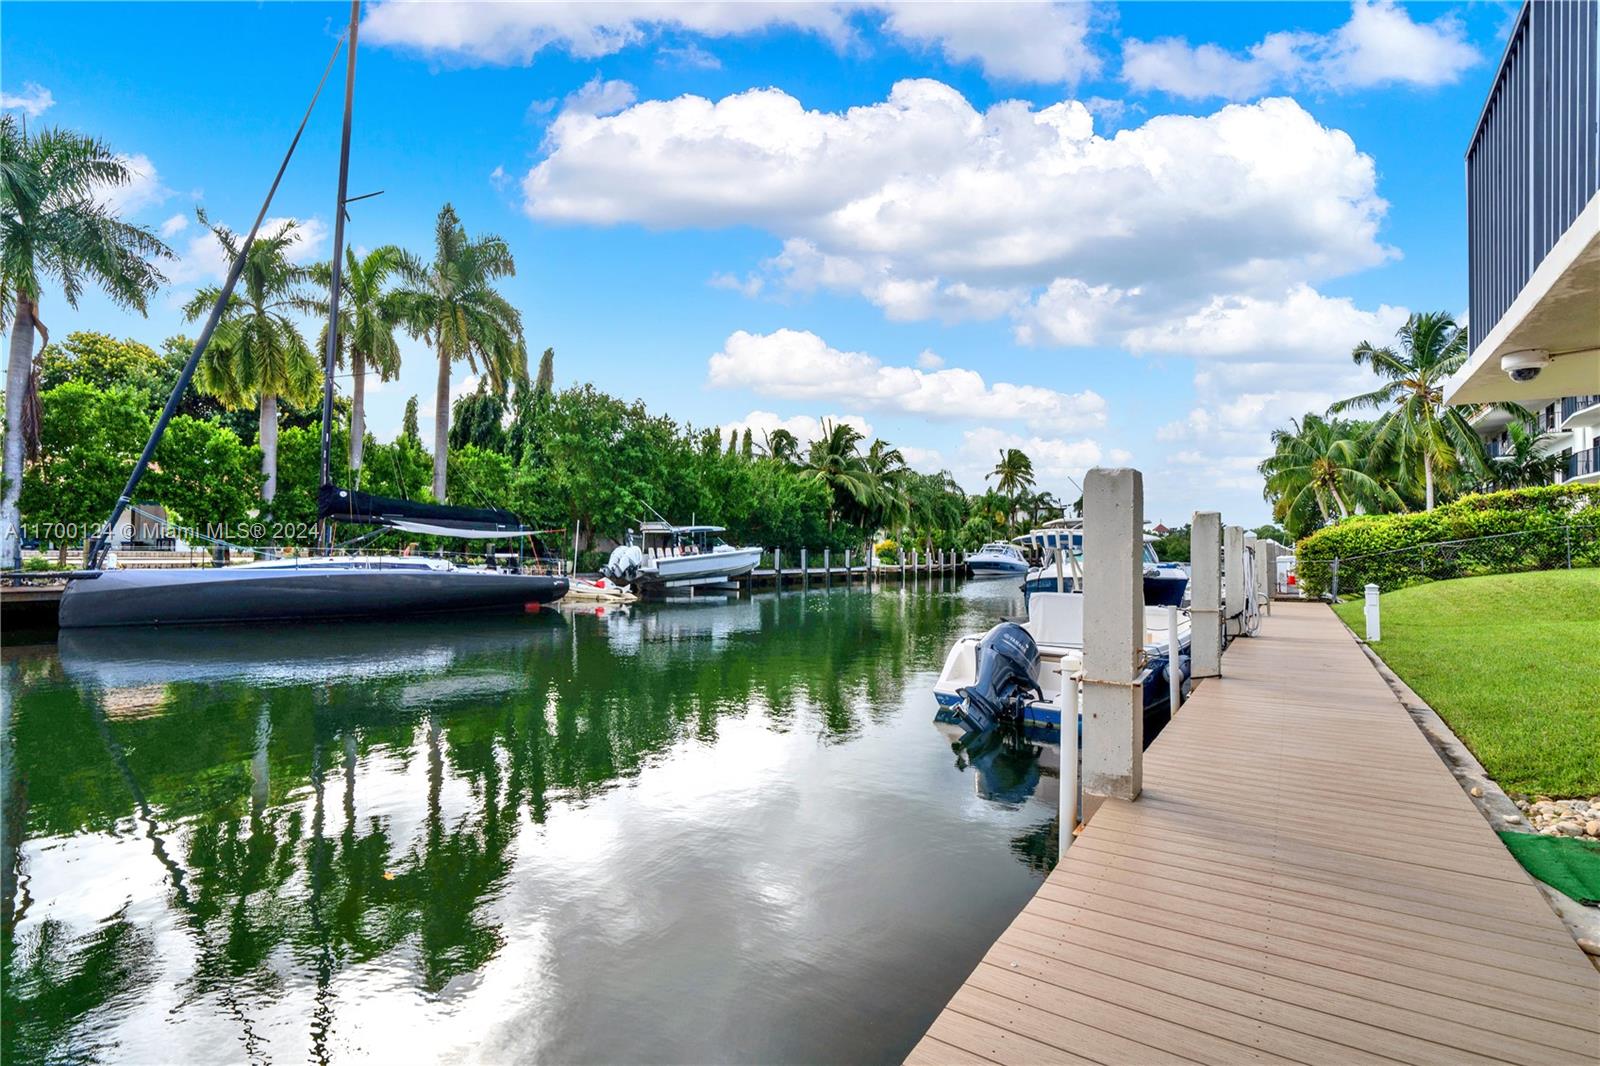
point(692, 833)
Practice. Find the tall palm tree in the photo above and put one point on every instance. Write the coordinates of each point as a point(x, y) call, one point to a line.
point(887, 466)
point(835, 460)
point(369, 314)
point(1318, 471)
point(55, 225)
point(1418, 431)
point(1013, 476)
point(257, 353)
point(1524, 464)
point(453, 305)
point(781, 445)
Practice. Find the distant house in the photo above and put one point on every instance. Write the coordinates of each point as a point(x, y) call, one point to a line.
point(1533, 238)
point(1160, 530)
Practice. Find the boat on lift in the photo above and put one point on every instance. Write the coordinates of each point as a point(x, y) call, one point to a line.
point(1028, 673)
point(664, 558)
point(1059, 547)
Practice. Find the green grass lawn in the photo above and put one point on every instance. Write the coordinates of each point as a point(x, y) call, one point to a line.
point(1512, 663)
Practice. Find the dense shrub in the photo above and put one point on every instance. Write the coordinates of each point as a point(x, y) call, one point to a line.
point(1520, 529)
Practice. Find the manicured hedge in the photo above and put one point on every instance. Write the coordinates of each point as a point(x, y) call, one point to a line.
point(1398, 550)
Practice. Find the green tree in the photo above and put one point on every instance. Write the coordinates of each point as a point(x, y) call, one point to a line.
point(54, 224)
point(1267, 532)
point(1317, 474)
point(1173, 546)
point(257, 353)
point(1013, 476)
point(1524, 464)
point(835, 460)
point(477, 419)
point(781, 445)
point(747, 447)
point(1418, 431)
point(369, 314)
point(205, 477)
point(453, 305)
point(88, 440)
point(408, 425)
point(480, 477)
point(104, 362)
point(544, 384)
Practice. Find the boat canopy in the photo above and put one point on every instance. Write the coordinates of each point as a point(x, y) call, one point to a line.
point(663, 527)
point(473, 523)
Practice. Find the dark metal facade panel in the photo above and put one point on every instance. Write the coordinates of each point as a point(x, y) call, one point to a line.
point(1534, 161)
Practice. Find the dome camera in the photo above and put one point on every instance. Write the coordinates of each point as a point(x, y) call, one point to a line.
point(1525, 365)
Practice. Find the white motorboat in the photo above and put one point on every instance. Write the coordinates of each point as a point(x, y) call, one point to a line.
point(668, 557)
point(1060, 547)
point(997, 559)
point(1055, 624)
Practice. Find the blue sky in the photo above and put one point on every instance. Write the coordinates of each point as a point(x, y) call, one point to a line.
point(1139, 234)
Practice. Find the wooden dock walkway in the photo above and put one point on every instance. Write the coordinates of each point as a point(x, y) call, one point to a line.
point(1302, 880)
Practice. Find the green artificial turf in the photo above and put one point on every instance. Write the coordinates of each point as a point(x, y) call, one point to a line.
point(1512, 663)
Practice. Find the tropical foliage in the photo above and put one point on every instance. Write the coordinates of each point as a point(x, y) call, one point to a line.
point(55, 226)
point(1416, 452)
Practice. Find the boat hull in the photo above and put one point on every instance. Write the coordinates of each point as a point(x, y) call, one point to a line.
point(995, 568)
point(245, 594)
point(710, 566)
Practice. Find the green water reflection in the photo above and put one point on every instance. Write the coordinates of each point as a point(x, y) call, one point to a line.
point(709, 832)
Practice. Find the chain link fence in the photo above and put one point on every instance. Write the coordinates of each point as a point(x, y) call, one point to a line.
point(1560, 547)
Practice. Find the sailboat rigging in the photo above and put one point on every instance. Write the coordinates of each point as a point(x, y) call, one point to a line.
point(324, 586)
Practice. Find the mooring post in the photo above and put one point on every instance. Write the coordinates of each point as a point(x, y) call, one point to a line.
point(1113, 633)
point(1205, 594)
point(1233, 575)
point(848, 576)
point(902, 565)
point(1374, 623)
point(1263, 587)
point(827, 567)
point(805, 570)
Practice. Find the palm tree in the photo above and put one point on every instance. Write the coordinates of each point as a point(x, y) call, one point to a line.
point(781, 445)
point(257, 353)
point(1524, 463)
point(1013, 476)
point(1419, 431)
point(369, 314)
point(453, 305)
point(54, 224)
point(834, 460)
point(1318, 471)
point(887, 466)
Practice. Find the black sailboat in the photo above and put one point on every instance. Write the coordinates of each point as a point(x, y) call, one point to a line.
point(321, 586)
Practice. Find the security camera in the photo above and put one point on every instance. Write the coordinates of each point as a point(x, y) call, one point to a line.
point(1524, 365)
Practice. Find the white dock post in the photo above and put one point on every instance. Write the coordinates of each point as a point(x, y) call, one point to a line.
point(827, 567)
point(1233, 574)
point(1205, 595)
point(1174, 671)
point(1374, 623)
point(848, 576)
point(1113, 632)
point(902, 565)
point(805, 570)
point(1263, 587)
point(1067, 815)
point(1270, 565)
point(777, 569)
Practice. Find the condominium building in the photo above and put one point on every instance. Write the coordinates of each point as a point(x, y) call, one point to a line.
point(1533, 236)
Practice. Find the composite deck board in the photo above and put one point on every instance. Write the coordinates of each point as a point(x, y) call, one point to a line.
point(1302, 880)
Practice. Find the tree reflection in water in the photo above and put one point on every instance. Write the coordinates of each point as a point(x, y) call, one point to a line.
point(316, 798)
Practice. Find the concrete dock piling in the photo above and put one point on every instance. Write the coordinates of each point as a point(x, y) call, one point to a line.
point(1113, 633)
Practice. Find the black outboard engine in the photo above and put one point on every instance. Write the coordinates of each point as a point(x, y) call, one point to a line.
point(1008, 677)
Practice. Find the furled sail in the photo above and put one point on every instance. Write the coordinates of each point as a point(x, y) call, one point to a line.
point(476, 523)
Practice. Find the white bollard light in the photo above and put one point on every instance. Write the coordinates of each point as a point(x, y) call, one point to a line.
point(1374, 628)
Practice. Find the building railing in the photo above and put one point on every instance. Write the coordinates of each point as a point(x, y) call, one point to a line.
point(1534, 160)
point(1571, 405)
point(1584, 463)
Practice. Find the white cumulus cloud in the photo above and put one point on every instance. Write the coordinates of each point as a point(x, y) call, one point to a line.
point(33, 101)
point(799, 365)
point(201, 260)
point(144, 187)
point(931, 208)
point(1379, 45)
point(174, 225)
point(1041, 42)
point(1057, 462)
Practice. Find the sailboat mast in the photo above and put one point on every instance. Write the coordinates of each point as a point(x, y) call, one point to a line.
point(331, 355)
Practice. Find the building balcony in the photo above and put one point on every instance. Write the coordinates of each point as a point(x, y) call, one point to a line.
point(1533, 211)
point(1584, 466)
point(1578, 412)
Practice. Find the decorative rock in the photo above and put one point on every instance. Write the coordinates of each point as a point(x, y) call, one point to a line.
point(1476, 791)
point(1570, 829)
point(1511, 819)
point(1593, 828)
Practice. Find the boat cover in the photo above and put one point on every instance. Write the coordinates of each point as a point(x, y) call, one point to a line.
point(475, 523)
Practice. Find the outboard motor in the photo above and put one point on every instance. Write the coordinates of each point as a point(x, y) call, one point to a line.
point(1008, 677)
point(624, 564)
